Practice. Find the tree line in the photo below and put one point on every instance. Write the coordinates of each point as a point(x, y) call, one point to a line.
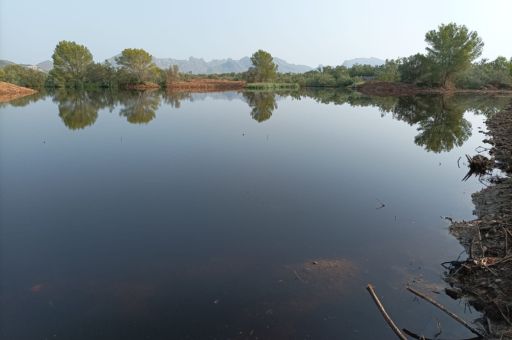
point(449, 61)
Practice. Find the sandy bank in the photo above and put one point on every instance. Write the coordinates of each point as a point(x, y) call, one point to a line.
point(10, 91)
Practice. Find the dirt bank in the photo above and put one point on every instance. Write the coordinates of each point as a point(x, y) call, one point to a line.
point(10, 91)
point(205, 85)
point(382, 88)
point(143, 86)
point(485, 278)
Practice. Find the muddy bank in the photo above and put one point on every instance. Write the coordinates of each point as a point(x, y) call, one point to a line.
point(143, 86)
point(10, 92)
point(382, 88)
point(205, 85)
point(485, 278)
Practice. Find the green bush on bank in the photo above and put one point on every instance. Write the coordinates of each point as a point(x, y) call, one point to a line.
point(272, 86)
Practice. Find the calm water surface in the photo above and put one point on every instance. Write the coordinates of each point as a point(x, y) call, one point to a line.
point(231, 215)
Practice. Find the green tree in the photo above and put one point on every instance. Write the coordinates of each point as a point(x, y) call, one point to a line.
point(23, 76)
point(138, 63)
point(101, 74)
point(264, 69)
point(172, 74)
point(486, 74)
point(70, 62)
point(452, 49)
point(388, 71)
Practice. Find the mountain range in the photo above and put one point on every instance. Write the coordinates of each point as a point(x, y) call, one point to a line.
point(363, 61)
point(201, 66)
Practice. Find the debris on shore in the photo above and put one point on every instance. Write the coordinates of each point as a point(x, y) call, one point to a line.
point(478, 165)
point(484, 279)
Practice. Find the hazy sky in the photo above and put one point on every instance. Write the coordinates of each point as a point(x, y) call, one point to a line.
point(307, 32)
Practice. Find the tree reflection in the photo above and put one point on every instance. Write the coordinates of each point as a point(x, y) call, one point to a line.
point(77, 109)
point(140, 107)
point(25, 100)
point(261, 103)
point(174, 98)
point(440, 121)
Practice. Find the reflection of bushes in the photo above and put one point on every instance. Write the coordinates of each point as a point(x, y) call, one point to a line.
point(262, 104)
point(140, 108)
point(440, 119)
point(175, 98)
point(77, 109)
point(25, 100)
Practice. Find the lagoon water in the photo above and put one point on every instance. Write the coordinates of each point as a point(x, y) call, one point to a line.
point(231, 215)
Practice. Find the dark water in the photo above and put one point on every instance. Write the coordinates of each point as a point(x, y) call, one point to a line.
point(230, 216)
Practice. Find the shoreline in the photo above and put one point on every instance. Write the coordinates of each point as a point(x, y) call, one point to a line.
point(10, 92)
point(205, 85)
point(485, 278)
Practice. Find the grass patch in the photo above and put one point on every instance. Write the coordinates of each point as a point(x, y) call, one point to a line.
point(272, 86)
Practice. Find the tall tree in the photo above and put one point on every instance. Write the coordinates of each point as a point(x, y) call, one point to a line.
point(70, 62)
point(264, 69)
point(172, 74)
point(138, 63)
point(452, 49)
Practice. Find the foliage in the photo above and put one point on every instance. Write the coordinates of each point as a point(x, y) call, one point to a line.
point(364, 71)
point(416, 69)
point(22, 76)
point(494, 74)
point(388, 71)
point(101, 75)
point(449, 61)
point(70, 63)
point(271, 86)
point(138, 63)
point(452, 49)
point(172, 74)
point(264, 69)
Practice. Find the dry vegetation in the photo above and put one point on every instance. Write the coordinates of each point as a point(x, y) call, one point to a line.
point(205, 85)
point(9, 92)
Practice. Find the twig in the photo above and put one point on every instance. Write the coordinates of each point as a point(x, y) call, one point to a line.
point(458, 160)
point(421, 337)
point(441, 307)
point(388, 319)
point(502, 314)
point(439, 329)
point(298, 276)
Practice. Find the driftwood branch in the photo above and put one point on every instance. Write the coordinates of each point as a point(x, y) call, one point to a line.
point(388, 319)
point(421, 337)
point(441, 307)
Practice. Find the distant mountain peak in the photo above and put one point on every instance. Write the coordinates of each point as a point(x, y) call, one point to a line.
point(363, 61)
point(228, 65)
point(198, 65)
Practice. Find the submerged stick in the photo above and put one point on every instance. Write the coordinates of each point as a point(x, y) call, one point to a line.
point(441, 307)
point(421, 337)
point(388, 319)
